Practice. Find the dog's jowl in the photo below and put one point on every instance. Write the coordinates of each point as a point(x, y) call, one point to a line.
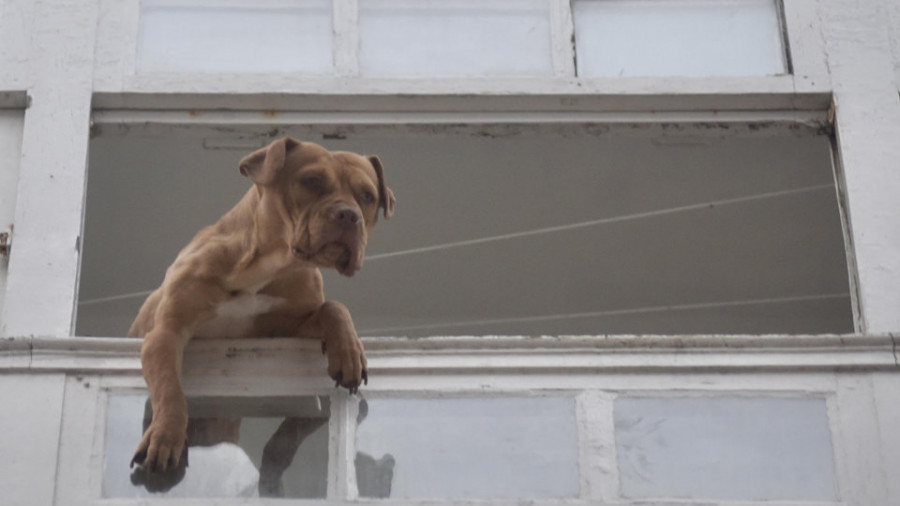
point(255, 273)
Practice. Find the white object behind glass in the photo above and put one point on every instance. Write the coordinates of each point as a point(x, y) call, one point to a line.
point(678, 38)
point(235, 37)
point(454, 38)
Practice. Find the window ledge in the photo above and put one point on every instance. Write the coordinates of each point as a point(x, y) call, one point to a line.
point(486, 95)
point(490, 354)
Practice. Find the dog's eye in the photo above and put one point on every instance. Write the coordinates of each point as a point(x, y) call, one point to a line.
point(368, 198)
point(313, 184)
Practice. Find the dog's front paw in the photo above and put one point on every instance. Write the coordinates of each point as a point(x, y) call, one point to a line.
point(347, 363)
point(156, 482)
point(164, 445)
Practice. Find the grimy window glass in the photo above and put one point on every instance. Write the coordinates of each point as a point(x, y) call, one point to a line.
point(678, 38)
point(750, 448)
point(468, 448)
point(223, 36)
point(239, 447)
point(454, 38)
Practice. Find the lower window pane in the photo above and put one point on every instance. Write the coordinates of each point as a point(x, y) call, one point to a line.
point(468, 448)
point(239, 447)
point(724, 448)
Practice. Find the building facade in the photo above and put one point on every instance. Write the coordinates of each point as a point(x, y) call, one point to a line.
point(645, 252)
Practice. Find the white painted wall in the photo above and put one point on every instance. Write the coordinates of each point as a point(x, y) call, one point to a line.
point(861, 60)
point(29, 436)
point(43, 271)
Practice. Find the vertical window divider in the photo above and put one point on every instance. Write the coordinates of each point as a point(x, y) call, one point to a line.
point(562, 38)
point(345, 23)
point(804, 45)
point(342, 447)
point(599, 470)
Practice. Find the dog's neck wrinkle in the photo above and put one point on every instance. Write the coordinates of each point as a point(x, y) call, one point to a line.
point(262, 232)
point(265, 252)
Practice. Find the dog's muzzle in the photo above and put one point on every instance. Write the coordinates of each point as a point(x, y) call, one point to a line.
point(340, 243)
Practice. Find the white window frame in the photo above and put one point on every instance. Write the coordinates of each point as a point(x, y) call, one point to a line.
point(117, 40)
point(592, 370)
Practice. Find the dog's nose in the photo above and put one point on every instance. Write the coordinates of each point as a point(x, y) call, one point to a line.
point(345, 215)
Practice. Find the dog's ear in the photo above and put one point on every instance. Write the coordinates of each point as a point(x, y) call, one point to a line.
point(386, 198)
point(262, 165)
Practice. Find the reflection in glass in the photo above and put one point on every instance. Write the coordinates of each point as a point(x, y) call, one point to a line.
point(373, 476)
point(724, 448)
point(239, 447)
point(454, 38)
point(476, 448)
point(678, 38)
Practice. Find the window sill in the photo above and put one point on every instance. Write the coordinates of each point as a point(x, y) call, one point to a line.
point(631, 94)
point(485, 355)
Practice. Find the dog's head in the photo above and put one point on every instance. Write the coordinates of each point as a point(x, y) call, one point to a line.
point(328, 200)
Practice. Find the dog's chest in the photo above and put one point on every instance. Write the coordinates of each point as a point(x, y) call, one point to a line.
point(235, 317)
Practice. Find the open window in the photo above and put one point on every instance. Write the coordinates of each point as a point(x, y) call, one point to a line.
point(512, 228)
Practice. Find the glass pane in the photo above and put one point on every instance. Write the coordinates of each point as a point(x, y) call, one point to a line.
point(467, 448)
point(454, 37)
point(11, 125)
point(239, 447)
point(228, 36)
point(724, 448)
point(678, 38)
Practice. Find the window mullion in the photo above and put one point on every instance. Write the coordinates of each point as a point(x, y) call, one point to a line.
point(562, 38)
point(805, 46)
point(345, 21)
point(596, 432)
point(342, 447)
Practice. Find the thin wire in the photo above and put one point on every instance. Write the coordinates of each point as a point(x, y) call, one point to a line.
point(111, 298)
point(611, 312)
point(601, 221)
point(538, 231)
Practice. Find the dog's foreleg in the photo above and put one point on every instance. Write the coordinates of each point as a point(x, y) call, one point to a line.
point(185, 302)
point(346, 357)
point(165, 439)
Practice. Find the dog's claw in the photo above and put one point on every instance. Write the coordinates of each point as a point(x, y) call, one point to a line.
point(138, 458)
point(337, 378)
point(324, 349)
point(365, 376)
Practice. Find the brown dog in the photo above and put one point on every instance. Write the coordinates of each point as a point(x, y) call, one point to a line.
point(255, 273)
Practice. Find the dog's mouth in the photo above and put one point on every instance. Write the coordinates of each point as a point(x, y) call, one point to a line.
point(345, 258)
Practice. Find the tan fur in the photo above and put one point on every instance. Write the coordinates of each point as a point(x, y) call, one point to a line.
point(255, 273)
